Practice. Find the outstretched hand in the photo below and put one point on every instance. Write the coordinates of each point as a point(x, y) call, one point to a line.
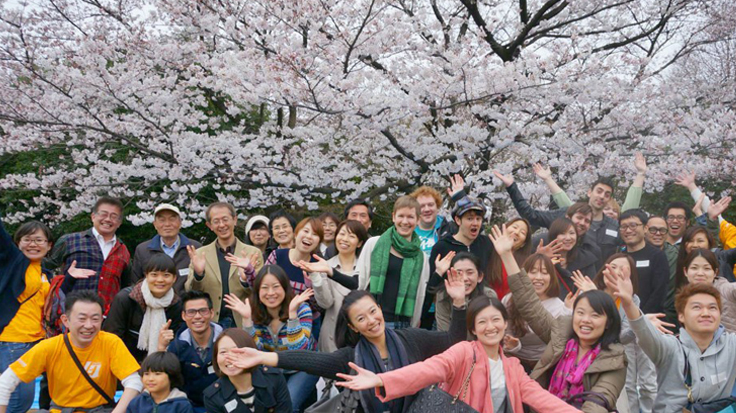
point(716, 209)
point(686, 179)
point(640, 163)
point(621, 286)
point(661, 326)
point(363, 380)
point(298, 300)
point(165, 336)
point(320, 266)
point(583, 282)
point(442, 264)
point(501, 239)
point(198, 260)
point(698, 207)
point(457, 184)
point(551, 250)
point(455, 287)
point(542, 172)
point(233, 303)
point(507, 180)
point(79, 273)
point(245, 259)
point(244, 357)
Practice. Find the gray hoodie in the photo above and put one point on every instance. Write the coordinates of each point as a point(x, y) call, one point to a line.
point(713, 371)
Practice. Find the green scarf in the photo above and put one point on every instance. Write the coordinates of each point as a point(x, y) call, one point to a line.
point(411, 268)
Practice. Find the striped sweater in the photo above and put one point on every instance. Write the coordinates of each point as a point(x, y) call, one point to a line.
point(296, 334)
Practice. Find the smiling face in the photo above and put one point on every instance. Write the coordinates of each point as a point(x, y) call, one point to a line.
point(360, 213)
point(620, 266)
point(225, 345)
point(283, 233)
point(259, 235)
point(699, 240)
point(428, 207)
point(610, 211)
point(701, 314)
point(568, 238)
point(656, 231)
point(222, 223)
point(167, 223)
point(540, 279)
point(587, 323)
point(160, 282)
point(83, 322)
point(700, 271)
point(307, 241)
point(469, 273)
point(346, 241)
point(518, 231)
point(676, 222)
point(107, 219)
point(197, 315)
point(632, 231)
point(329, 226)
point(156, 382)
point(489, 326)
point(271, 292)
point(405, 221)
point(469, 225)
point(366, 318)
point(581, 222)
point(599, 196)
point(34, 246)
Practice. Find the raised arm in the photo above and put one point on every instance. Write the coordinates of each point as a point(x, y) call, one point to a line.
point(558, 194)
point(534, 216)
point(313, 362)
point(525, 298)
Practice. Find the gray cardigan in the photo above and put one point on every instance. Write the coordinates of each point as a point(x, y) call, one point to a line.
point(713, 371)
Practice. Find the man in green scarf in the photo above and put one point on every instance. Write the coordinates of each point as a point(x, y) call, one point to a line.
point(394, 269)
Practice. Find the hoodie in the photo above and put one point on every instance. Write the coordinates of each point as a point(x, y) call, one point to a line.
point(176, 402)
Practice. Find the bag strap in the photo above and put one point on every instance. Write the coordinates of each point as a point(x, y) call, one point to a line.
point(84, 372)
point(686, 374)
point(464, 388)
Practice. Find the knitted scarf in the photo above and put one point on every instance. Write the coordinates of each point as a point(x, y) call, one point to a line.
point(411, 268)
point(567, 379)
point(368, 357)
point(154, 317)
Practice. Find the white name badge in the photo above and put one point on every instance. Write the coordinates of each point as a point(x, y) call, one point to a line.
point(611, 233)
point(642, 264)
point(183, 272)
point(231, 405)
point(210, 370)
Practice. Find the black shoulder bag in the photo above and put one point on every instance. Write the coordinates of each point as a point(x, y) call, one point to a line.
point(110, 401)
point(432, 399)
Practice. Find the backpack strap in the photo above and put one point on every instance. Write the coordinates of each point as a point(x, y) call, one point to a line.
point(84, 372)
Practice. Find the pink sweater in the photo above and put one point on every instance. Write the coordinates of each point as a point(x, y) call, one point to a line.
point(452, 367)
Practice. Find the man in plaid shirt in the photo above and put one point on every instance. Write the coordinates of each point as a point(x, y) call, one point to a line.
point(96, 249)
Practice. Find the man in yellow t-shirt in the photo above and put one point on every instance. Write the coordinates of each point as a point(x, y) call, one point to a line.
point(104, 357)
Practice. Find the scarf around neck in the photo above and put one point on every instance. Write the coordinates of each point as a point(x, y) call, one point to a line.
point(153, 319)
point(567, 379)
point(368, 357)
point(411, 268)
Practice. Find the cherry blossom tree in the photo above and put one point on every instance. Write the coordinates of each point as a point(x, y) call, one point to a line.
point(315, 101)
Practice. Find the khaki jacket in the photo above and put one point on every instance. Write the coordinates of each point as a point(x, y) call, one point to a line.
point(606, 375)
point(212, 281)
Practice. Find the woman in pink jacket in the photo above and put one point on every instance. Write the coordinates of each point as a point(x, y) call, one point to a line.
point(497, 384)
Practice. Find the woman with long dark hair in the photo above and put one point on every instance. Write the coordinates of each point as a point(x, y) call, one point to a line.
point(520, 230)
point(583, 353)
point(364, 339)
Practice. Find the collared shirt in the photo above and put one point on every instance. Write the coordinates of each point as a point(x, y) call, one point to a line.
point(105, 246)
point(170, 251)
point(203, 351)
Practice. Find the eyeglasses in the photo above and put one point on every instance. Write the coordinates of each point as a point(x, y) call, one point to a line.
point(223, 221)
point(676, 217)
point(38, 241)
point(105, 215)
point(192, 312)
point(627, 227)
point(655, 230)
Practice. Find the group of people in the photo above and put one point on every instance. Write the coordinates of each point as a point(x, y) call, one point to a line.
point(567, 309)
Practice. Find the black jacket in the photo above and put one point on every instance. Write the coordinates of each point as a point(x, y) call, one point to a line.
point(272, 394)
point(606, 236)
point(147, 249)
point(198, 374)
point(126, 316)
point(481, 248)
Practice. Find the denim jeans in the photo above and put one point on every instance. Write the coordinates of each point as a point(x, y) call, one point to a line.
point(22, 398)
point(301, 385)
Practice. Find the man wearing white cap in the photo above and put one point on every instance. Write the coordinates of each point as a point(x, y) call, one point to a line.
point(169, 241)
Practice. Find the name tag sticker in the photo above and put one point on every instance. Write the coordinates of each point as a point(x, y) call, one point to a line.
point(611, 233)
point(642, 264)
point(231, 405)
point(183, 272)
point(210, 370)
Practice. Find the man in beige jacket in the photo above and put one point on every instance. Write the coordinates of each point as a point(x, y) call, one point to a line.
point(210, 269)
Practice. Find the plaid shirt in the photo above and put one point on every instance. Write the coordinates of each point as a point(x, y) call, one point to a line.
point(84, 248)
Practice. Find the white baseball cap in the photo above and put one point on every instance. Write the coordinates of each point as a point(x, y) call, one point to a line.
point(166, 207)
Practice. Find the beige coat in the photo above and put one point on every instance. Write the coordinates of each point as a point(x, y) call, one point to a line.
point(212, 281)
point(606, 375)
point(329, 295)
